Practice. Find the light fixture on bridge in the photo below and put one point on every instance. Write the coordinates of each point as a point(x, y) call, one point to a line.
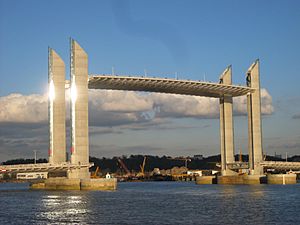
point(51, 91)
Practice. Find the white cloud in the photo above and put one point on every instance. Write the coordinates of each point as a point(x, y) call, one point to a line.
point(110, 108)
point(167, 105)
point(240, 104)
point(23, 108)
point(119, 101)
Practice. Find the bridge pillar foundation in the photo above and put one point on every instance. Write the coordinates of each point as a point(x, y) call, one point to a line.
point(63, 183)
point(206, 180)
point(82, 173)
point(281, 178)
point(241, 179)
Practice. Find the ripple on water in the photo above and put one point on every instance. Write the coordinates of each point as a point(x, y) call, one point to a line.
point(153, 203)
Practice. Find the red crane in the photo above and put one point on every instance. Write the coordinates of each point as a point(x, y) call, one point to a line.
point(124, 166)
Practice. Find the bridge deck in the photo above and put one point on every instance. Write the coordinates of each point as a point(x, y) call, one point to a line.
point(165, 85)
point(42, 167)
point(281, 165)
point(268, 165)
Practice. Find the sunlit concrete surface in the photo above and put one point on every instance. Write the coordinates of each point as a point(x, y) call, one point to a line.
point(57, 108)
point(226, 125)
point(79, 110)
point(254, 120)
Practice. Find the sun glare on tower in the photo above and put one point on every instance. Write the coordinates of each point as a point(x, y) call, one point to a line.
point(73, 92)
point(51, 91)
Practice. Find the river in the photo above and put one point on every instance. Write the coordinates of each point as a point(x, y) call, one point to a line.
point(153, 203)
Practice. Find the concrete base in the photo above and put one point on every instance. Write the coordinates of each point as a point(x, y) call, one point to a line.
point(99, 184)
point(242, 179)
point(281, 179)
point(255, 179)
point(230, 180)
point(75, 184)
point(229, 172)
point(82, 173)
point(206, 180)
point(248, 179)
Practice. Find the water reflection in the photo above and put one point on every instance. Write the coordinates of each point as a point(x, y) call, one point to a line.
point(68, 207)
point(257, 191)
point(155, 203)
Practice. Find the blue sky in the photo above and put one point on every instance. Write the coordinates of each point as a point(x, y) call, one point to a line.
point(193, 38)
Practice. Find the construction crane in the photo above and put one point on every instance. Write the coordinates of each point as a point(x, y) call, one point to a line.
point(124, 166)
point(95, 175)
point(142, 167)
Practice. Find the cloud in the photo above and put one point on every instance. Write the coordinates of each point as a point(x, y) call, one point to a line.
point(111, 108)
point(23, 108)
point(289, 144)
point(24, 118)
point(240, 104)
point(113, 150)
point(296, 116)
point(20, 139)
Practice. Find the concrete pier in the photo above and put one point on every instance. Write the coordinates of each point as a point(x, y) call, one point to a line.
point(206, 180)
point(98, 184)
point(62, 183)
point(232, 179)
point(255, 179)
point(281, 179)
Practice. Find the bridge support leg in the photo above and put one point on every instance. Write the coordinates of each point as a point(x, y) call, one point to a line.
point(57, 111)
point(226, 126)
point(254, 120)
point(79, 110)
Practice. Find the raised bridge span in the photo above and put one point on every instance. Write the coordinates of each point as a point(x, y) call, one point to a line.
point(80, 82)
point(166, 85)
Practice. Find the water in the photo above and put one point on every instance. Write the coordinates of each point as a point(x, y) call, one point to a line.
point(153, 203)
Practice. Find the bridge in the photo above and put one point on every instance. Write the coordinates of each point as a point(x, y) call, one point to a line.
point(166, 85)
point(281, 165)
point(80, 82)
point(42, 167)
point(278, 165)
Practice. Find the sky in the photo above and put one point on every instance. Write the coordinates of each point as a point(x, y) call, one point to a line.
point(196, 40)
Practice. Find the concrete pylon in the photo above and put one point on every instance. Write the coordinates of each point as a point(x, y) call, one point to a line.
point(79, 110)
point(226, 125)
point(254, 120)
point(57, 111)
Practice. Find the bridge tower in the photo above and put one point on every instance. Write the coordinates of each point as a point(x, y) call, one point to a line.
point(56, 106)
point(79, 110)
point(254, 120)
point(226, 125)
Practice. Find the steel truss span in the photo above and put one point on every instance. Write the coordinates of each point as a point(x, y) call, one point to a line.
point(165, 85)
point(40, 167)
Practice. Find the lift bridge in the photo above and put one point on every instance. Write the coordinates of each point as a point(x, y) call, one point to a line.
point(80, 82)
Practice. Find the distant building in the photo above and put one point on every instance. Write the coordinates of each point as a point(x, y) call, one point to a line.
point(200, 157)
